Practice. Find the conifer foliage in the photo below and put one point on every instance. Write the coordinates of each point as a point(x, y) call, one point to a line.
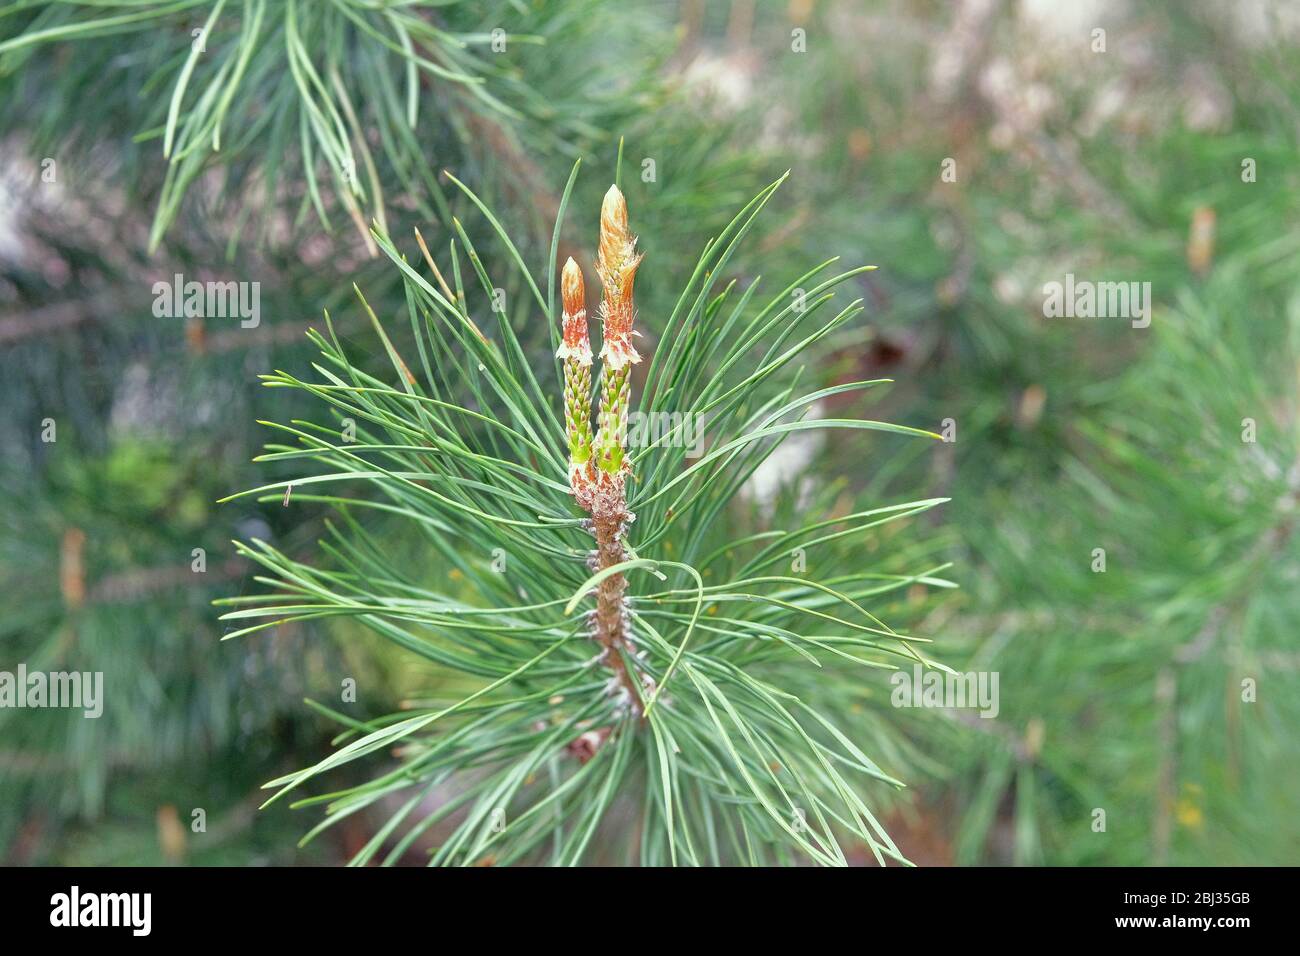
point(606, 690)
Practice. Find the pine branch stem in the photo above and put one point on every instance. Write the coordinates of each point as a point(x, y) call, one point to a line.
point(611, 602)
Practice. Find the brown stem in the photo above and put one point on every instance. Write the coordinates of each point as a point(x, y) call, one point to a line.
point(611, 633)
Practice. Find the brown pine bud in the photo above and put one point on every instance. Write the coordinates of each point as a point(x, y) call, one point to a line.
point(576, 344)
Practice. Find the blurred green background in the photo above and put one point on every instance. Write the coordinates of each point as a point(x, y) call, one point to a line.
point(974, 151)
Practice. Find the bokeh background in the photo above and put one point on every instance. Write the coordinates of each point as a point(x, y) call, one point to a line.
point(973, 150)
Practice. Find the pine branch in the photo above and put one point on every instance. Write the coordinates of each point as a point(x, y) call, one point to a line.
point(256, 88)
point(708, 723)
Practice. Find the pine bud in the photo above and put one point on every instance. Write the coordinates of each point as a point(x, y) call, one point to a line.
point(598, 466)
point(617, 264)
point(614, 235)
point(576, 344)
point(575, 350)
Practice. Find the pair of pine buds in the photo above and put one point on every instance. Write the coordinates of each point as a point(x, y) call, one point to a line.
point(598, 464)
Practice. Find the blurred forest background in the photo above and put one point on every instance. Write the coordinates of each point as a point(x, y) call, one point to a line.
point(973, 150)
